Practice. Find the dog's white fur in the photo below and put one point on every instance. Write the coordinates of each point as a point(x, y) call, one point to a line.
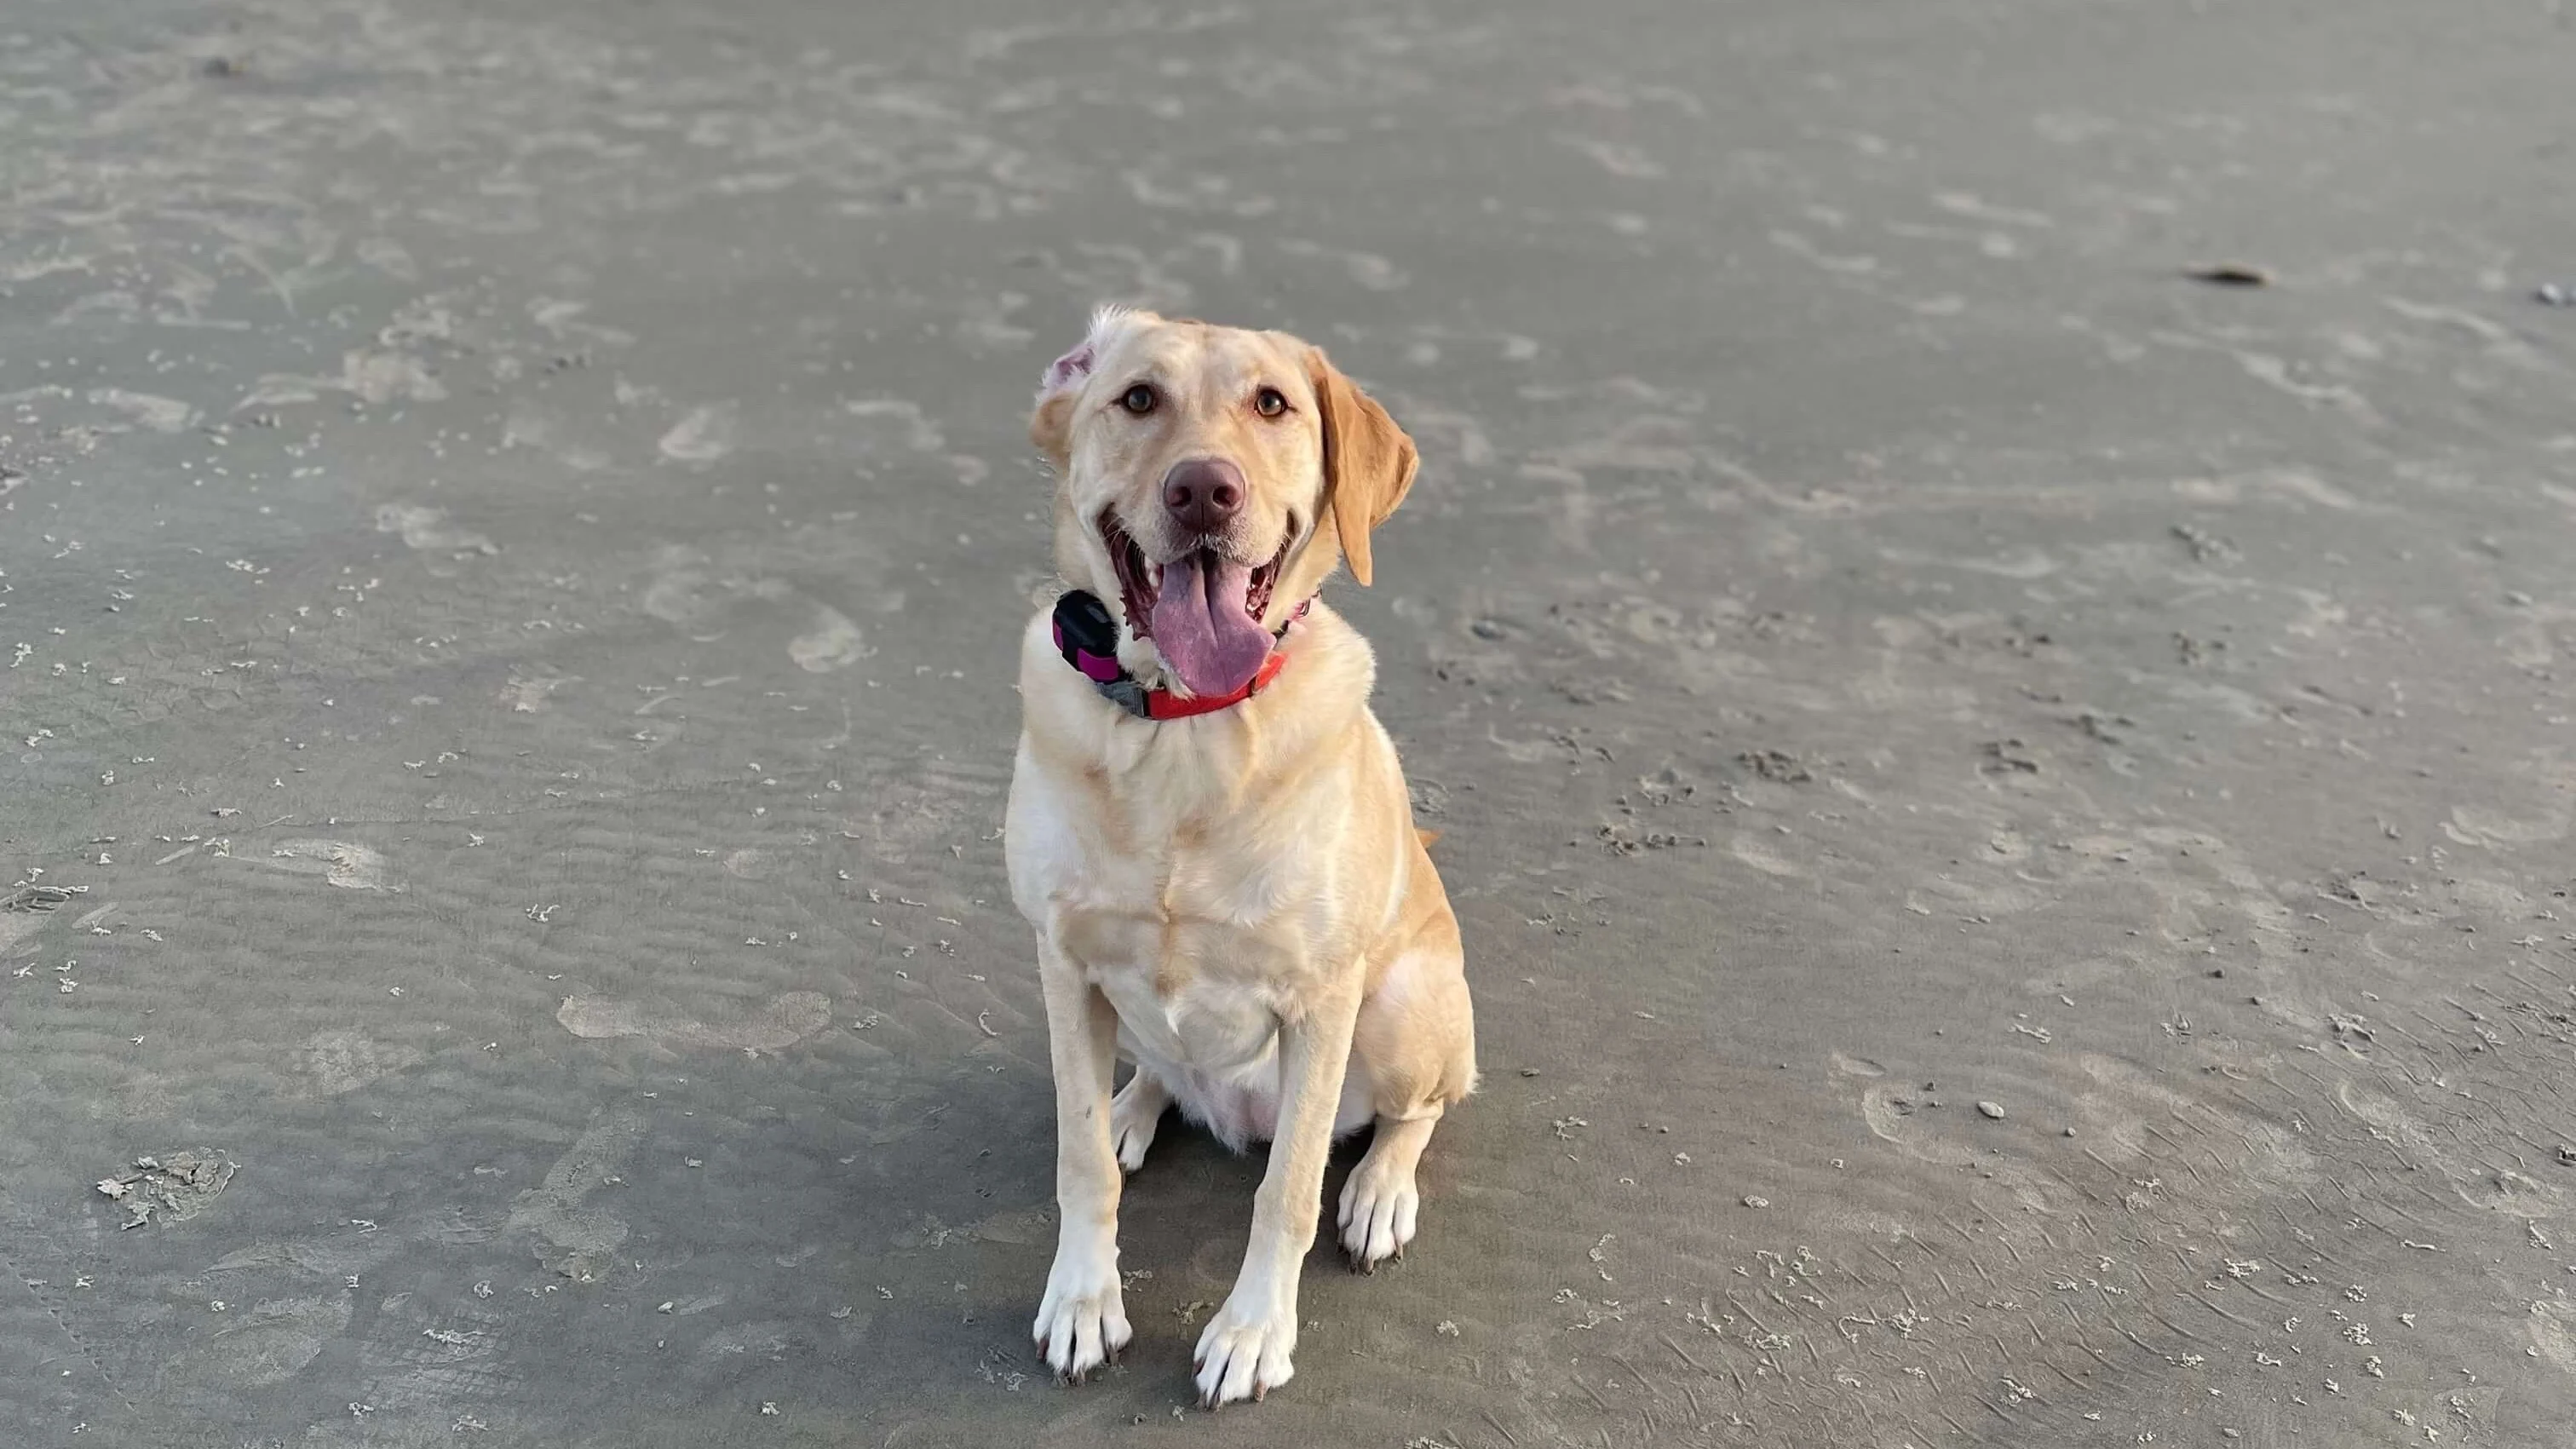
point(1236, 902)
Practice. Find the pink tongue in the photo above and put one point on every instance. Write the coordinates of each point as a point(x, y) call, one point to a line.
point(1200, 625)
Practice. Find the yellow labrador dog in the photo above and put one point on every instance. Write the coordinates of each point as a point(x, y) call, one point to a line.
point(1210, 831)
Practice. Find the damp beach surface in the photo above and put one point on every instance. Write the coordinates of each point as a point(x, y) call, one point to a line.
point(1986, 629)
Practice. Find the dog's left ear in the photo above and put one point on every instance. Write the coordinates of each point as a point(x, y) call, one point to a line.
point(1369, 463)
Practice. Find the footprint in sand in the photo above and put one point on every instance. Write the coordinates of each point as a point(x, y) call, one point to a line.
point(578, 1240)
point(783, 1022)
point(704, 436)
point(426, 530)
point(834, 642)
point(342, 863)
point(268, 1343)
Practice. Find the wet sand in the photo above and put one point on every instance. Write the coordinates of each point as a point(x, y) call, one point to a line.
point(2010, 806)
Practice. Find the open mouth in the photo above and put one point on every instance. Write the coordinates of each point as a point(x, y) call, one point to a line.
point(1140, 581)
point(1202, 609)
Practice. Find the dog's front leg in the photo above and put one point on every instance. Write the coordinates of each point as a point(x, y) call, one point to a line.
point(1082, 1322)
point(1245, 1351)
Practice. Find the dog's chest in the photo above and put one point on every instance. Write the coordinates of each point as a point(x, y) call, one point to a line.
point(1191, 991)
point(1207, 1027)
point(1195, 923)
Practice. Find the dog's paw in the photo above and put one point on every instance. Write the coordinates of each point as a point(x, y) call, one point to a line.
point(1379, 1204)
point(1134, 1117)
point(1082, 1322)
point(1244, 1353)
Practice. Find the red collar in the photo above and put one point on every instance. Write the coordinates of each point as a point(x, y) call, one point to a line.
point(1087, 637)
point(1162, 704)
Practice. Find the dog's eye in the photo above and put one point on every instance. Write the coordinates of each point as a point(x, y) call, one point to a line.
point(1270, 402)
point(1139, 399)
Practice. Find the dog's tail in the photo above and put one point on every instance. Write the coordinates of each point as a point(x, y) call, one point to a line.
point(1425, 836)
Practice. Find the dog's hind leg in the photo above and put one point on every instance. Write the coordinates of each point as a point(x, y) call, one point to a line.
point(1134, 1114)
point(1417, 1038)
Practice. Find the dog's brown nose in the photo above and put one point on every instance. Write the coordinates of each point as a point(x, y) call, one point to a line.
point(1203, 495)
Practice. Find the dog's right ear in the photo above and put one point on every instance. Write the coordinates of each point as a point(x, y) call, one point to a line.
point(1051, 426)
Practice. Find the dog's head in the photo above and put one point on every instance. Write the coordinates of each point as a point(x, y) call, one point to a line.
point(1208, 477)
